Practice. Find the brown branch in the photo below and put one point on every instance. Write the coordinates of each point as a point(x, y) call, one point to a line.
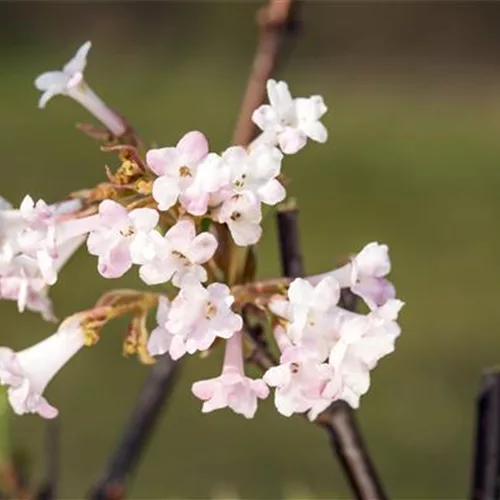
point(274, 21)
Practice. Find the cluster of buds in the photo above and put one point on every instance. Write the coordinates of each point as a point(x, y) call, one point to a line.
point(188, 218)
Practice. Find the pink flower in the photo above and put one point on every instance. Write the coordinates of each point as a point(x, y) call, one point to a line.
point(27, 373)
point(232, 389)
point(199, 315)
point(178, 253)
point(122, 238)
point(209, 184)
point(302, 383)
point(289, 122)
point(365, 275)
point(176, 167)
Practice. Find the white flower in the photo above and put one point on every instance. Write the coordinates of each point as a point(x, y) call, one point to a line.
point(232, 389)
point(27, 373)
point(70, 81)
point(311, 313)
point(243, 215)
point(256, 171)
point(362, 342)
point(178, 253)
point(122, 238)
point(199, 315)
point(289, 122)
point(35, 242)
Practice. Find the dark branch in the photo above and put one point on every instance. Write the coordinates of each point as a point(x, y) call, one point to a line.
point(48, 489)
point(152, 399)
point(275, 20)
point(486, 474)
point(288, 234)
point(338, 419)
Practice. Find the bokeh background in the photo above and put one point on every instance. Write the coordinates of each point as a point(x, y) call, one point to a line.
point(413, 160)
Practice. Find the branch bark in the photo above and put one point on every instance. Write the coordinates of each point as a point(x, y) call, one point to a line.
point(486, 473)
point(142, 423)
point(275, 20)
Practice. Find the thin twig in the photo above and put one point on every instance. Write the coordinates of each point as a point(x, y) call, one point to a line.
point(48, 489)
point(152, 399)
point(486, 473)
point(275, 19)
point(338, 419)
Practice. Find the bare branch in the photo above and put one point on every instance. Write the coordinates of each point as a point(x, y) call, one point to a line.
point(485, 483)
point(274, 21)
point(152, 399)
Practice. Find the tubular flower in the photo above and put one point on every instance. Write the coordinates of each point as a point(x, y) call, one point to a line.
point(27, 373)
point(70, 81)
point(232, 389)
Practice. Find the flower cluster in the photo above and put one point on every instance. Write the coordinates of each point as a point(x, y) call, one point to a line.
point(327, 352)
point(36, 240)
point(183, 214)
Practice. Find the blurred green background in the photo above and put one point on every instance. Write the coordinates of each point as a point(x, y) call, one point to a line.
point(413, 160)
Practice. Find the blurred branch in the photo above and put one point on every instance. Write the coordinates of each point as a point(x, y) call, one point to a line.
point(142, 423)
point(275, 20)
point(486, 474)
point(48, 489)
point(338, 419)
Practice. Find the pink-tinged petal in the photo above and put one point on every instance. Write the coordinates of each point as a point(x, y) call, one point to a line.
point(110, 212)
point(235, 154)
point(163, 310)
point(159, 341)
point(259, 388)
point(177, 348)
point(203, 389)
point(193, 147)
point(202, 248)
point(374, 291)
point(182, 233)
point(373, 260)
point(144, 219)
point(277, 376)
point(316, 131)
point(79, 61)
point(155, 273)
point(245, 234)
point(46, 410)
point(163, 160)
point(195, 203)
point(116, 263)
point(266, 117)
point(165, 192)
point(291, 140)
point(272, 192)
